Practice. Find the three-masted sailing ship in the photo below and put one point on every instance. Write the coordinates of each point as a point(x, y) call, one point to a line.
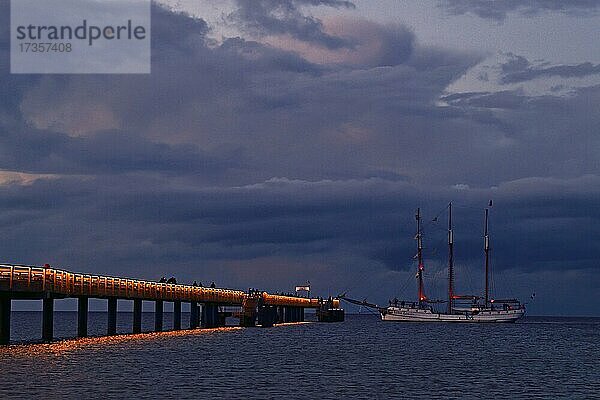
point(459, 308)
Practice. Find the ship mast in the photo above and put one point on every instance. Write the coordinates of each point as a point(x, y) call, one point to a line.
point(450, 261)
point(486, 249)
point(420, 257)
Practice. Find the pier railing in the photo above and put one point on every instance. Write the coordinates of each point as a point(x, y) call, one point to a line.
point(38, 281)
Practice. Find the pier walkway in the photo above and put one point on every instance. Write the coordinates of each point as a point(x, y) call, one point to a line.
point(22, 282)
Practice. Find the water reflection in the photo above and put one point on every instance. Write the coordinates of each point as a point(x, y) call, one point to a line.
point(89, 343)
point(357, 359)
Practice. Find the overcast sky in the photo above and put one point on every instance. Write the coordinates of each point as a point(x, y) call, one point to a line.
point(282, 141)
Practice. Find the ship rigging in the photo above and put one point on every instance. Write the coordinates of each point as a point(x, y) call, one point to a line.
point(459, 308)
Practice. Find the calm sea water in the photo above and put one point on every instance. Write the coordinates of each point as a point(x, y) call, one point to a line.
point(360, 358)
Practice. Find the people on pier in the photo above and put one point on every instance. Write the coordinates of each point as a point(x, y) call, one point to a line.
point(162, 280)
point(212, 285)
point(172, 280)
point(195, 283)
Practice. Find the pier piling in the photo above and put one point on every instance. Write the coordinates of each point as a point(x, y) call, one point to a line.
point(287, 314)
point(267, 316)
point(194, 315)
point(263, 317)
point(82, 316)
point(158, 316)
point(137, 316)
point(177, 315)
point(205, 320)
point(111, 327)
point(48, 319)
point(210, 315)
point(5, 309)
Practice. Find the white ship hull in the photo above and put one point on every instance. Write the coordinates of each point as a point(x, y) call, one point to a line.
point(408, 314)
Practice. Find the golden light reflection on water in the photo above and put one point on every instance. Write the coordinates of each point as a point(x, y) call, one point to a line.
point(293, 323)
point(93, 343)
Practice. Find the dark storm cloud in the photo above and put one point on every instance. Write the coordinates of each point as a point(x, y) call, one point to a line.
point(498, 10)
point(11, 88)
point(519, 69)
point(373, 44)
point(105, 152)
point(134, 223)
point(245, 163)
point(285, 116)
point(276, 17)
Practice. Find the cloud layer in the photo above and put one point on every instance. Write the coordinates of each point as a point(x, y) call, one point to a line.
point(519, 69)
point(498, 10)
point(277, 17)
point(264, 165)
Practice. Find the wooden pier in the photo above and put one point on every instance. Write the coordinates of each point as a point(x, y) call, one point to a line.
point(21, 282)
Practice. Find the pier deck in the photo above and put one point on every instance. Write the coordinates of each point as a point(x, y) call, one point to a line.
point(18, 282)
